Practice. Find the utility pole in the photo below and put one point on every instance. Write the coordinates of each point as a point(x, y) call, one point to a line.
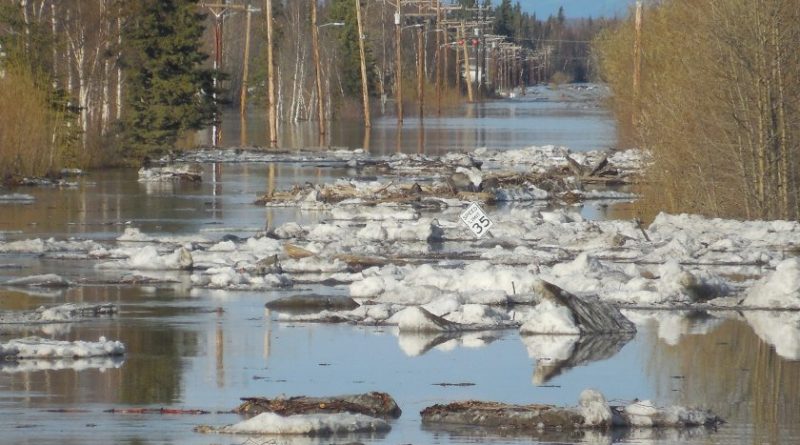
point(245, 76)
point(439, 57)
point(420, 71)
point(398, 77)
point(317, 67)
point(637, 61)
point(467, 69)
point(364, 83)
point(271, 112)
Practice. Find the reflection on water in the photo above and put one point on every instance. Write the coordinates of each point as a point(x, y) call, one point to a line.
point(207, 349)
point(549, 117)
point(106, 202)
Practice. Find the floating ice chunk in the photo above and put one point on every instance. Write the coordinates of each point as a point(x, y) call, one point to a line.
point(781, 289)
point(594, 408)
point(183, 172)
point(46, 280)
point(148, 258)
point(35, 347)
point(16, 198)
point(641, 413)
point(376, 213)
point(290, 230)
point(306, 424)
point(549, 318)
point(134, 234)
point(417, 319)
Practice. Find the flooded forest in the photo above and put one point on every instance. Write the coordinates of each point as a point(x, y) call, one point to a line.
point(399, 222)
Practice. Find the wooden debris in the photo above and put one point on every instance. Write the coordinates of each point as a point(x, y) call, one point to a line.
point(375, 404)
point(295, 252)
point(192, 412)
point(312, 302)
point(592, 412)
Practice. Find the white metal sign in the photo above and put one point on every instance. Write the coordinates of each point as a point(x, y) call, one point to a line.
point(476, 220)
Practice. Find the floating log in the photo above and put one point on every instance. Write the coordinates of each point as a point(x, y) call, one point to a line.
point(295, 252)
point(375, 404)
point(313, 302)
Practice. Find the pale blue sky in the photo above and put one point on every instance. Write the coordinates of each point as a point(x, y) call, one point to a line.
point(575, 8)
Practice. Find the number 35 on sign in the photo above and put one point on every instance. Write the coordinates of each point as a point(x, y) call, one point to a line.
point(476, 219)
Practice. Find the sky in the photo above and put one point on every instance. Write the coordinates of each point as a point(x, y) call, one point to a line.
point(575, 8)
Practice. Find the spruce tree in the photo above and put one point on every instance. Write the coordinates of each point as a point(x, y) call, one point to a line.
point(350, 58)
point(168, 90)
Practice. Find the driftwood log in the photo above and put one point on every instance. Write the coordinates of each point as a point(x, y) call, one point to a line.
point(375, 404)
point(312, 302)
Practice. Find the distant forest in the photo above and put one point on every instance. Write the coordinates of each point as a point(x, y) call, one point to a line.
point(99, 82)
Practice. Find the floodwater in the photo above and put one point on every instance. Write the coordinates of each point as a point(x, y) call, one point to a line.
point(571, 116)
point(204, 349)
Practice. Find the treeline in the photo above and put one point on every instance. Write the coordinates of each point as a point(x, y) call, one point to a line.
point(715, 103)
point(113, 81)
point(99, 82)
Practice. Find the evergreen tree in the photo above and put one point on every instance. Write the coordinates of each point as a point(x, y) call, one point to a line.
point(504, 20)
point(168, 91)
point(350, 59)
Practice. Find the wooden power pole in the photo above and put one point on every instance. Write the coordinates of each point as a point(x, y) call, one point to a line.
point(317, 67)
point(398, 68)
point(364, 82)
point(421, 72)
point(272, 117)
point(467, 69)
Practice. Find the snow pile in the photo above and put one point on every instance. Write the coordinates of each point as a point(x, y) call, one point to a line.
point(781, 289)
point(307, 424)
point(35, 347)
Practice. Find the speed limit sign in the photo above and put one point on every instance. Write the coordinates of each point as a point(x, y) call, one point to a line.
point(476, 219)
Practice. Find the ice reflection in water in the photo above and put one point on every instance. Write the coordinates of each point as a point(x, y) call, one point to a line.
point(186, 353)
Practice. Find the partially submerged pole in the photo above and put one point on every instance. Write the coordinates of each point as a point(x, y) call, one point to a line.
point(398, 68)
point(364, 83)
point(272, 117)
point(317, 67)
point(245, 75)
point(467, 69)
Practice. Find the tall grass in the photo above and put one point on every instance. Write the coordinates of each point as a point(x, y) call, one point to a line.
point(30, 127)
